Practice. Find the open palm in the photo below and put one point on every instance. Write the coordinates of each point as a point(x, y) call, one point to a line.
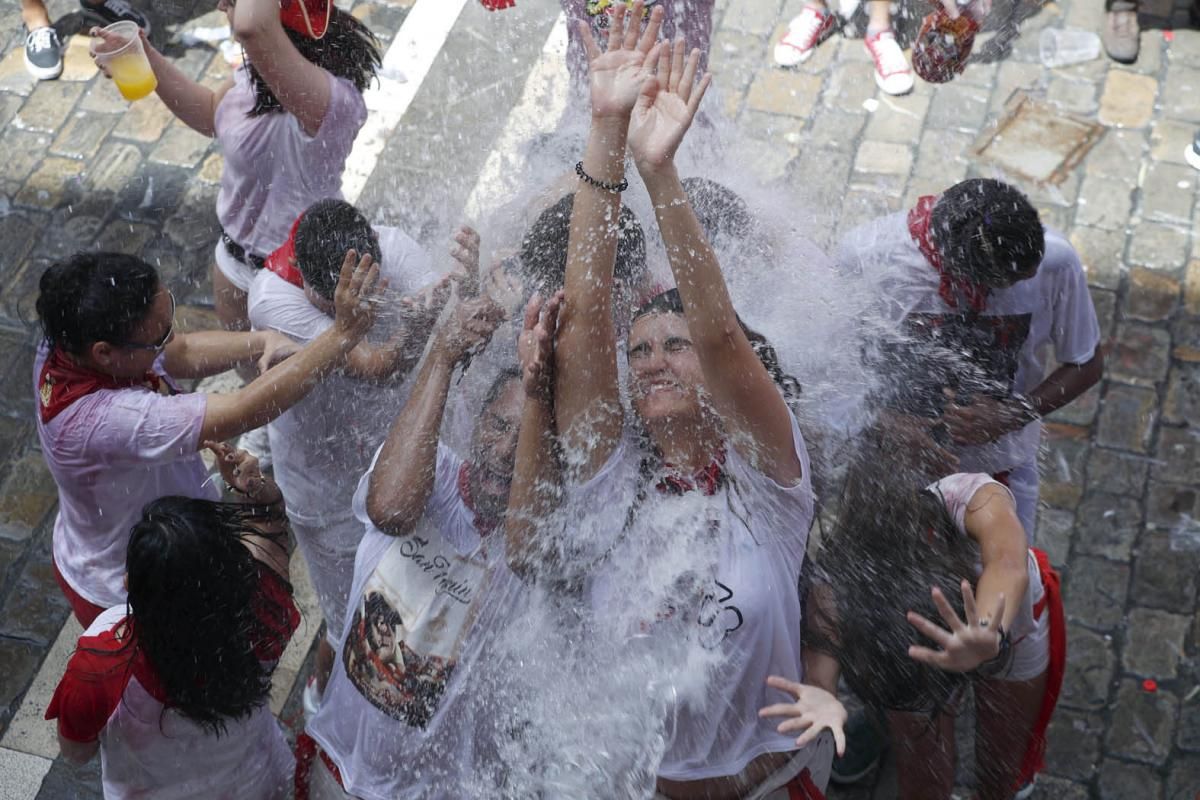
point(666, 106)
point(617, 74)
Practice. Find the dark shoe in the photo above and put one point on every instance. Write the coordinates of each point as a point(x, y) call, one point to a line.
point(110, 11)
point(865, 746)
point(43, 54)
point(1121, 32)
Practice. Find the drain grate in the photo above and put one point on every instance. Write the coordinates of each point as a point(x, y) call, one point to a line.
point(1036, 140)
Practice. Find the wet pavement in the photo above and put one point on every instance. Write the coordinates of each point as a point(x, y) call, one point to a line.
point(1121, 466)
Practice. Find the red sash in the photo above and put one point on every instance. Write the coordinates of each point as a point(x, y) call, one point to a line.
point(951, 286)
point(1034, 761)
point(62, 382)
point(283, 260)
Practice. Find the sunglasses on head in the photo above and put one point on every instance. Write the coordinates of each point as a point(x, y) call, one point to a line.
point(157, 347)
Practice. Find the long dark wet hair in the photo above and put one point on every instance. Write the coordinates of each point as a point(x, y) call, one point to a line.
point(94, 297)
point(348, 50)
point(892, 542)
point(195, 606)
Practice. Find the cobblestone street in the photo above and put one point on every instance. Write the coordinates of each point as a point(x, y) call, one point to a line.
point(1120, 516)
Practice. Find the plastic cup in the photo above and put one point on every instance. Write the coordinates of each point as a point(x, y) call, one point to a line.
point(121, 55)
point(1061, 47)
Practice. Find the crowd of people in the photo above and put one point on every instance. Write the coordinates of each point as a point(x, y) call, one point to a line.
point(637, 471)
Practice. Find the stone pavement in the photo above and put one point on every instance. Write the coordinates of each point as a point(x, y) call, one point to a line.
point(83, 169)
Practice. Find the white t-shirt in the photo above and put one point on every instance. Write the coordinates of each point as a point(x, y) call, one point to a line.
point(273, 169)
point(411, 604)
point(111, 452)
point(1029, 634)
point(1008, 340)
point(726, 568)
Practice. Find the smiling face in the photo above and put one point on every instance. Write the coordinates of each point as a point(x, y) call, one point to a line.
point(493, 449)
point(666, 382)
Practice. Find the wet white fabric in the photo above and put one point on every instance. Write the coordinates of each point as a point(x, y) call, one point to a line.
point(1030, 636)
point(322, 445)
point(112, 452)
point(735, 598)
point(1053, 308)
point(273, 169)
point(147, 753)
point(393, 680)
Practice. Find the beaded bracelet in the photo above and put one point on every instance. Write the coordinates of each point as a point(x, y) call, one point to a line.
point(615, 188)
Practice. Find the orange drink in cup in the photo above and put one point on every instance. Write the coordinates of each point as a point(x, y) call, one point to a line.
point(118, 51)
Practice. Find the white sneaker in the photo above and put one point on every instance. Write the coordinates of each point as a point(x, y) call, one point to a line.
point(804, 33)
point(1026, 791)
point(892, 72)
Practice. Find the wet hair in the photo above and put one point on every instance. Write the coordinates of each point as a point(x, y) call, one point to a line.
point(987, 231)
point(720, 210)
point(670, 302)
point(543, 252)
point(348, 50)
point(892, 543)
point(94, 297)
point(196, 608)
point(326, 231)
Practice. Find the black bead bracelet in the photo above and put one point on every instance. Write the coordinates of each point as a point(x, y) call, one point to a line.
point(615, 188)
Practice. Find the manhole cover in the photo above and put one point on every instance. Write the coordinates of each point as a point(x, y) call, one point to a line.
point(1036, 140)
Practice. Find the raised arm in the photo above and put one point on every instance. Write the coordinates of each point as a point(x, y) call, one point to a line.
point(586, 393)
point(392, 360)
point(204, 353)
point(403, 478)
point(537, 472)
point(742, 391)
point(284, 385)
point(302, 88)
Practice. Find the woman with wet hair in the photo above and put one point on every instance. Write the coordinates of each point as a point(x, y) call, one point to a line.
point(710, 467)
point(893, 563)
point(116, 429)
point(285, 121)
point(172, 686)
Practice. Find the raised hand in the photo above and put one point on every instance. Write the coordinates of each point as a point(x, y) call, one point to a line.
point(241, 471)
point(465, 252)
point(815, 710)
point(357, 295)
point(617, 73)
point(535, 347)
point(469, 328)
point(666, 106)
point(965, 645)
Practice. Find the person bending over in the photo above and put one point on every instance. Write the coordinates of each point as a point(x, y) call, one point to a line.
point(172, 686)
point(116, 430)
point(323, 444)
point(894, 560)
point(431, 522)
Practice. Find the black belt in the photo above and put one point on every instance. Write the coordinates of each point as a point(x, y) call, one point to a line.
point(237, 251)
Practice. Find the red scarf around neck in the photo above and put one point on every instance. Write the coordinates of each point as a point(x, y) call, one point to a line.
point(62, 382)
point(951, 286)
point(482, 524)
point(283, 260)
point(708, 479)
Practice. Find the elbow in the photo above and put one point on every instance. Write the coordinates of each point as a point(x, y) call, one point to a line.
point(389, 513)
point(248, 29)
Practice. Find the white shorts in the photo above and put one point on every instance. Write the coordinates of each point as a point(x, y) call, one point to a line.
point(239, 274)
point(817, 758)
point(329, 548)
point(1031, 653)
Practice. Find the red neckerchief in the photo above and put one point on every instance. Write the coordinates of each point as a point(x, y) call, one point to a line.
point(282, 261)
point(483, 525)
point(951, 286)
point(708, 479)
point(62, 382)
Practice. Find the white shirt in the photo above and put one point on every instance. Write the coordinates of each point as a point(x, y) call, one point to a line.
point(411, 604)
point(1009, 339)
point(721, 572)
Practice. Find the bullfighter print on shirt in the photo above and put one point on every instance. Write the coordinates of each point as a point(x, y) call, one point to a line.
point(402, 642)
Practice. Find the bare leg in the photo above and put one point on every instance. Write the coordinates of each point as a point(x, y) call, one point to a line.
point(924, 754)
point(1006, 712)
point(879, 15)
point(323, 667)
point(34, 15)
point(230, 303)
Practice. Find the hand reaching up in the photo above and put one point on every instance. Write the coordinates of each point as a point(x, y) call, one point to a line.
point(535, 347)
point(968, 643)
point(617, 74)
point(242, 473)
point(357, 295)
point(468, 328)
point(666, 106)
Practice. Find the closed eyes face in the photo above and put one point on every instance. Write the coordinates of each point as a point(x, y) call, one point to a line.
point(665, 377)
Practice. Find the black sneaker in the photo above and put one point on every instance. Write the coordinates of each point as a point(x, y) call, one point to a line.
point(865, 746)
point(109, 11)
point(43, 54)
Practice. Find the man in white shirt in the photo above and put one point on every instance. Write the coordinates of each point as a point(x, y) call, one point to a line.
point(975, 290)
point(322, 445)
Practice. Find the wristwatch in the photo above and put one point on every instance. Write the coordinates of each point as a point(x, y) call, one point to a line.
point(999, 662)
